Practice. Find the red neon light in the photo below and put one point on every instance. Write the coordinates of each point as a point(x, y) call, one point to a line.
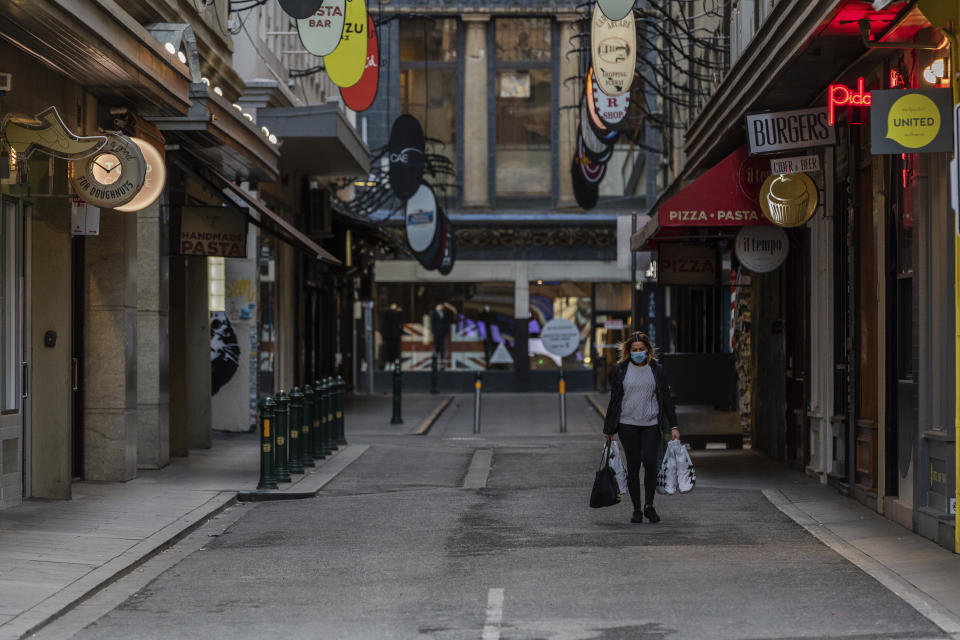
point(839, 95)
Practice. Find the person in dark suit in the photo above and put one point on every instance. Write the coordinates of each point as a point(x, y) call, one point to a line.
point(440, 319)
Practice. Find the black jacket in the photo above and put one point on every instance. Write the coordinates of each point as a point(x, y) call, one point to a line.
point(612, 420)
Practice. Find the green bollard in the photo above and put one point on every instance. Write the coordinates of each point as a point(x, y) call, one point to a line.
point(331, 417)
point(306, 432)
point(282, 413)
point(296, 421)
point(397, 418)
point(267, 480)
point(342, 436)
point(319, 422)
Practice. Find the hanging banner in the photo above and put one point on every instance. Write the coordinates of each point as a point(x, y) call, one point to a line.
point(360, 96)
point(911, 121)
point(212, 231)
point(345, 64)
point(321, 32)
point(614, 50)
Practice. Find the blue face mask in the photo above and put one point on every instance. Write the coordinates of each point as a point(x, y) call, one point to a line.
point(638, 357)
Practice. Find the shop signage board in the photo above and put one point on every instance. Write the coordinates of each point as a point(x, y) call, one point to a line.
point(421, 219)
point(155, 177)
point(345, 64)
point(726, 195)
point(560, 337)
point(213, 231)
point(785, 130)
point(800, 164)
point(911, 121)
point(112, 176)
point(679, 263)
point(762, 249)
point(320, 32)
point(48, 133)
point(615, 9)
point(360, 96)
point(407, 147)
point(613, 45)
point(789, 200)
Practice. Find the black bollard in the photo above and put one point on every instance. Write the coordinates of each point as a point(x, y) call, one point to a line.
point(341, 429)
point(434, 372)
point(318, 448)
point(267, 480)
point(329, 435)
point(397, 397)
point(296, 420)
point(282, 413)
point(306, 432)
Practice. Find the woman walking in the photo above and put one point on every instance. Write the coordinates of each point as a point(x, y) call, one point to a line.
point(639, 400)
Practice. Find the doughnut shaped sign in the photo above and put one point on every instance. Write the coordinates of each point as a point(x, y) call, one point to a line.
point(346, 63)
point(615, 9)
point(406, 149)
point(360, 96)
point(300, 8)
point(613, 45)
point(320, 33)
point(421, 219)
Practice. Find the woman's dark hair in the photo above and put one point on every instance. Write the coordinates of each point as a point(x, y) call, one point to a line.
point(636, 336)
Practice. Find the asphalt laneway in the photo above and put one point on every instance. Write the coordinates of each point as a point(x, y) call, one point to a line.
point(395, 547)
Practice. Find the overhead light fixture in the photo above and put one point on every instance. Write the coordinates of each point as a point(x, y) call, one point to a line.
point(181, 57)
point(273, 138)
point(265, 131)
point(238, 107)
point(218, 91)
point(205, 80)
point(172, 50)
point(935, 72)
point(248, 116)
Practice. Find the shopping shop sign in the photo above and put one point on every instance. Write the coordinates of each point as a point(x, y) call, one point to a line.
point(560, 337)
point(911, 121)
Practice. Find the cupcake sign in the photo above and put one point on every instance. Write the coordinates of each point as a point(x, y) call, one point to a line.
point(788, 200)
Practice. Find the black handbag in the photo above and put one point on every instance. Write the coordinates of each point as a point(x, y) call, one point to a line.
point(606, 492)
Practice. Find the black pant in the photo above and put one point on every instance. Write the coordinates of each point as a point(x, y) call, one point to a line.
point(640, 446)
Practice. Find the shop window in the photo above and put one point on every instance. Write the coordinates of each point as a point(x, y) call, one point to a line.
point(11, 271)
point(428, 80)
point(572, 301)
point(523, 107)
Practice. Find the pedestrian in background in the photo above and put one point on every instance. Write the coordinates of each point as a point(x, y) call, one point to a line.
point(639, 402)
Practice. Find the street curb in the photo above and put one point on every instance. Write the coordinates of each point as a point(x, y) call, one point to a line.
point(433, 417)
point(924, 604)
point(311, 484)
point(83, 588)
point(596, 405)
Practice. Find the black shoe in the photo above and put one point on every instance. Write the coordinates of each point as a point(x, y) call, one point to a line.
point(651, 514)
point(637, 517)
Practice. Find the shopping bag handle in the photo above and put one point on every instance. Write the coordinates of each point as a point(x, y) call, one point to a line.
point(605, 462)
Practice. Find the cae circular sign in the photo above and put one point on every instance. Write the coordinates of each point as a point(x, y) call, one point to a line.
point(560, 337)
point(421, 218)
point(112, 176)
point(406, 149)
point(320, 33)
point(762, 249)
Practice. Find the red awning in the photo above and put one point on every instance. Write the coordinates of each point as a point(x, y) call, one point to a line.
point(724, 196)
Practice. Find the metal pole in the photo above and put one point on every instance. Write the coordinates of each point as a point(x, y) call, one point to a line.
point(478, 385)
point(296, 420)
point(306, 432)
point(267, 480)
point(397, 390)
point(563, 403)
point(338, 410)
point(282, 472)
point(368, 331)
point(318, 418)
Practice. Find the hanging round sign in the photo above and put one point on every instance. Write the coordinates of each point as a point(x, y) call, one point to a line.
point(560, 337)
point(599, 126)
point(320, 33)
point(300, 8)
point(762, 248)
point(614, 50)
point(592, 172)
point(615, 9)
point(611, 110)
point(421, 219)
point(788, 200)
point(345, 64)
point(586, 194)
point(111, 177)
point(155, 178)
point(406, 149)
point(360, 96)
point(594, 147)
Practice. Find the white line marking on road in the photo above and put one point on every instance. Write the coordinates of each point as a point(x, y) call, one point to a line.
point(491, 629)
point(479, 469)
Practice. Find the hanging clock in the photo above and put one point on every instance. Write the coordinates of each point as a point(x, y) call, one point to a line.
point(112, 176)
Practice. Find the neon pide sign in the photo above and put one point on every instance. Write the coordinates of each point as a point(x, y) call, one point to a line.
point(840, 95)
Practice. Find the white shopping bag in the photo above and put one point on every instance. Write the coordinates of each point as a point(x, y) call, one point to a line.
point(667, 478)
point(619, 465)
point(686, 475)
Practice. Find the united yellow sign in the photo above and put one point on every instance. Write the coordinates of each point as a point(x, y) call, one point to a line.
point(911, 121)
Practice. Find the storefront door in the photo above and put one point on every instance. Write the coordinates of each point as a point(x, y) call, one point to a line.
point(14, 354)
